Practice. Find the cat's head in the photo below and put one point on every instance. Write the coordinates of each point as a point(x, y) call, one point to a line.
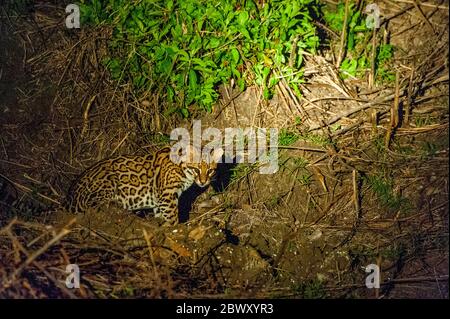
point(201, 166)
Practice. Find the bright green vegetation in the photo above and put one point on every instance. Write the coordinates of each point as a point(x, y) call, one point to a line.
point(184, 49)
point(385, 53)
point(181, 51)
point(358, 44)
point(286, 137)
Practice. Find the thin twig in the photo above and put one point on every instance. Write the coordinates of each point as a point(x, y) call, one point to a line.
point(343, 42)
point(37, 253)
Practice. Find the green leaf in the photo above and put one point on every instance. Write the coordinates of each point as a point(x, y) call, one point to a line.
point(214, 43)
point(273, 81)
point(266, 93)
point(177, 32)
point(170, 93)
point(185, 112)
point(246, 34)
point(169, 5)
point(184, 56)
point(235, 55)
point(165, 66)
point(266, 72)
point(351, 41)
point(242, 18)
point(236, 73)
point(297, 90)
point(200, 25)
point(241, 84)
point(192, 80)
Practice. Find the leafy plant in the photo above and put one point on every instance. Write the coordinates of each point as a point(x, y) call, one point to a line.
point(385, 193)
point(182, 50)
point(286, 137)
point(421, 121)
point(305, 178)
point(317, 139)
point(240, 171)
point(352, 65)
point(384, 54)
point(300, 162)
point(358, 57)
point(394, 251)
point(355, 21)
point(311, 289)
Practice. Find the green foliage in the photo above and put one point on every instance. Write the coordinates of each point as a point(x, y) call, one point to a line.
point(273, 201)
point(298, 169)
point(240, 171)
point(394, 251)
point(430, 149)
point(355, 23)
point(317, 139)
point(424, 149)
point(358, 50)
point(353, 64)
point(360, 253)
point(311, 289)
point(383, 189)
point(286, 137)
point(183, 50)
point(384, 55)
point(305, 178)
point(421, 121)
point(300, 162)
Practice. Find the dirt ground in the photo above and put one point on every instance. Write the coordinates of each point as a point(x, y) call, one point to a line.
point(354, 189)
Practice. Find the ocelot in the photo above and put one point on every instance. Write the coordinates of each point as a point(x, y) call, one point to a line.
point(141, 182)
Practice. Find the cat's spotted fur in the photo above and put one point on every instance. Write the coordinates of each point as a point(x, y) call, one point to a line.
point(140, 182)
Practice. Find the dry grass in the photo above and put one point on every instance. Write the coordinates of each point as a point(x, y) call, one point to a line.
point(366, 182)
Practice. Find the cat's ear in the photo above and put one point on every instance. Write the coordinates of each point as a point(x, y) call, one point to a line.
point(217, 154)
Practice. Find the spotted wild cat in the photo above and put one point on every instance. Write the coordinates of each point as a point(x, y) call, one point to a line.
point(140, 182)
